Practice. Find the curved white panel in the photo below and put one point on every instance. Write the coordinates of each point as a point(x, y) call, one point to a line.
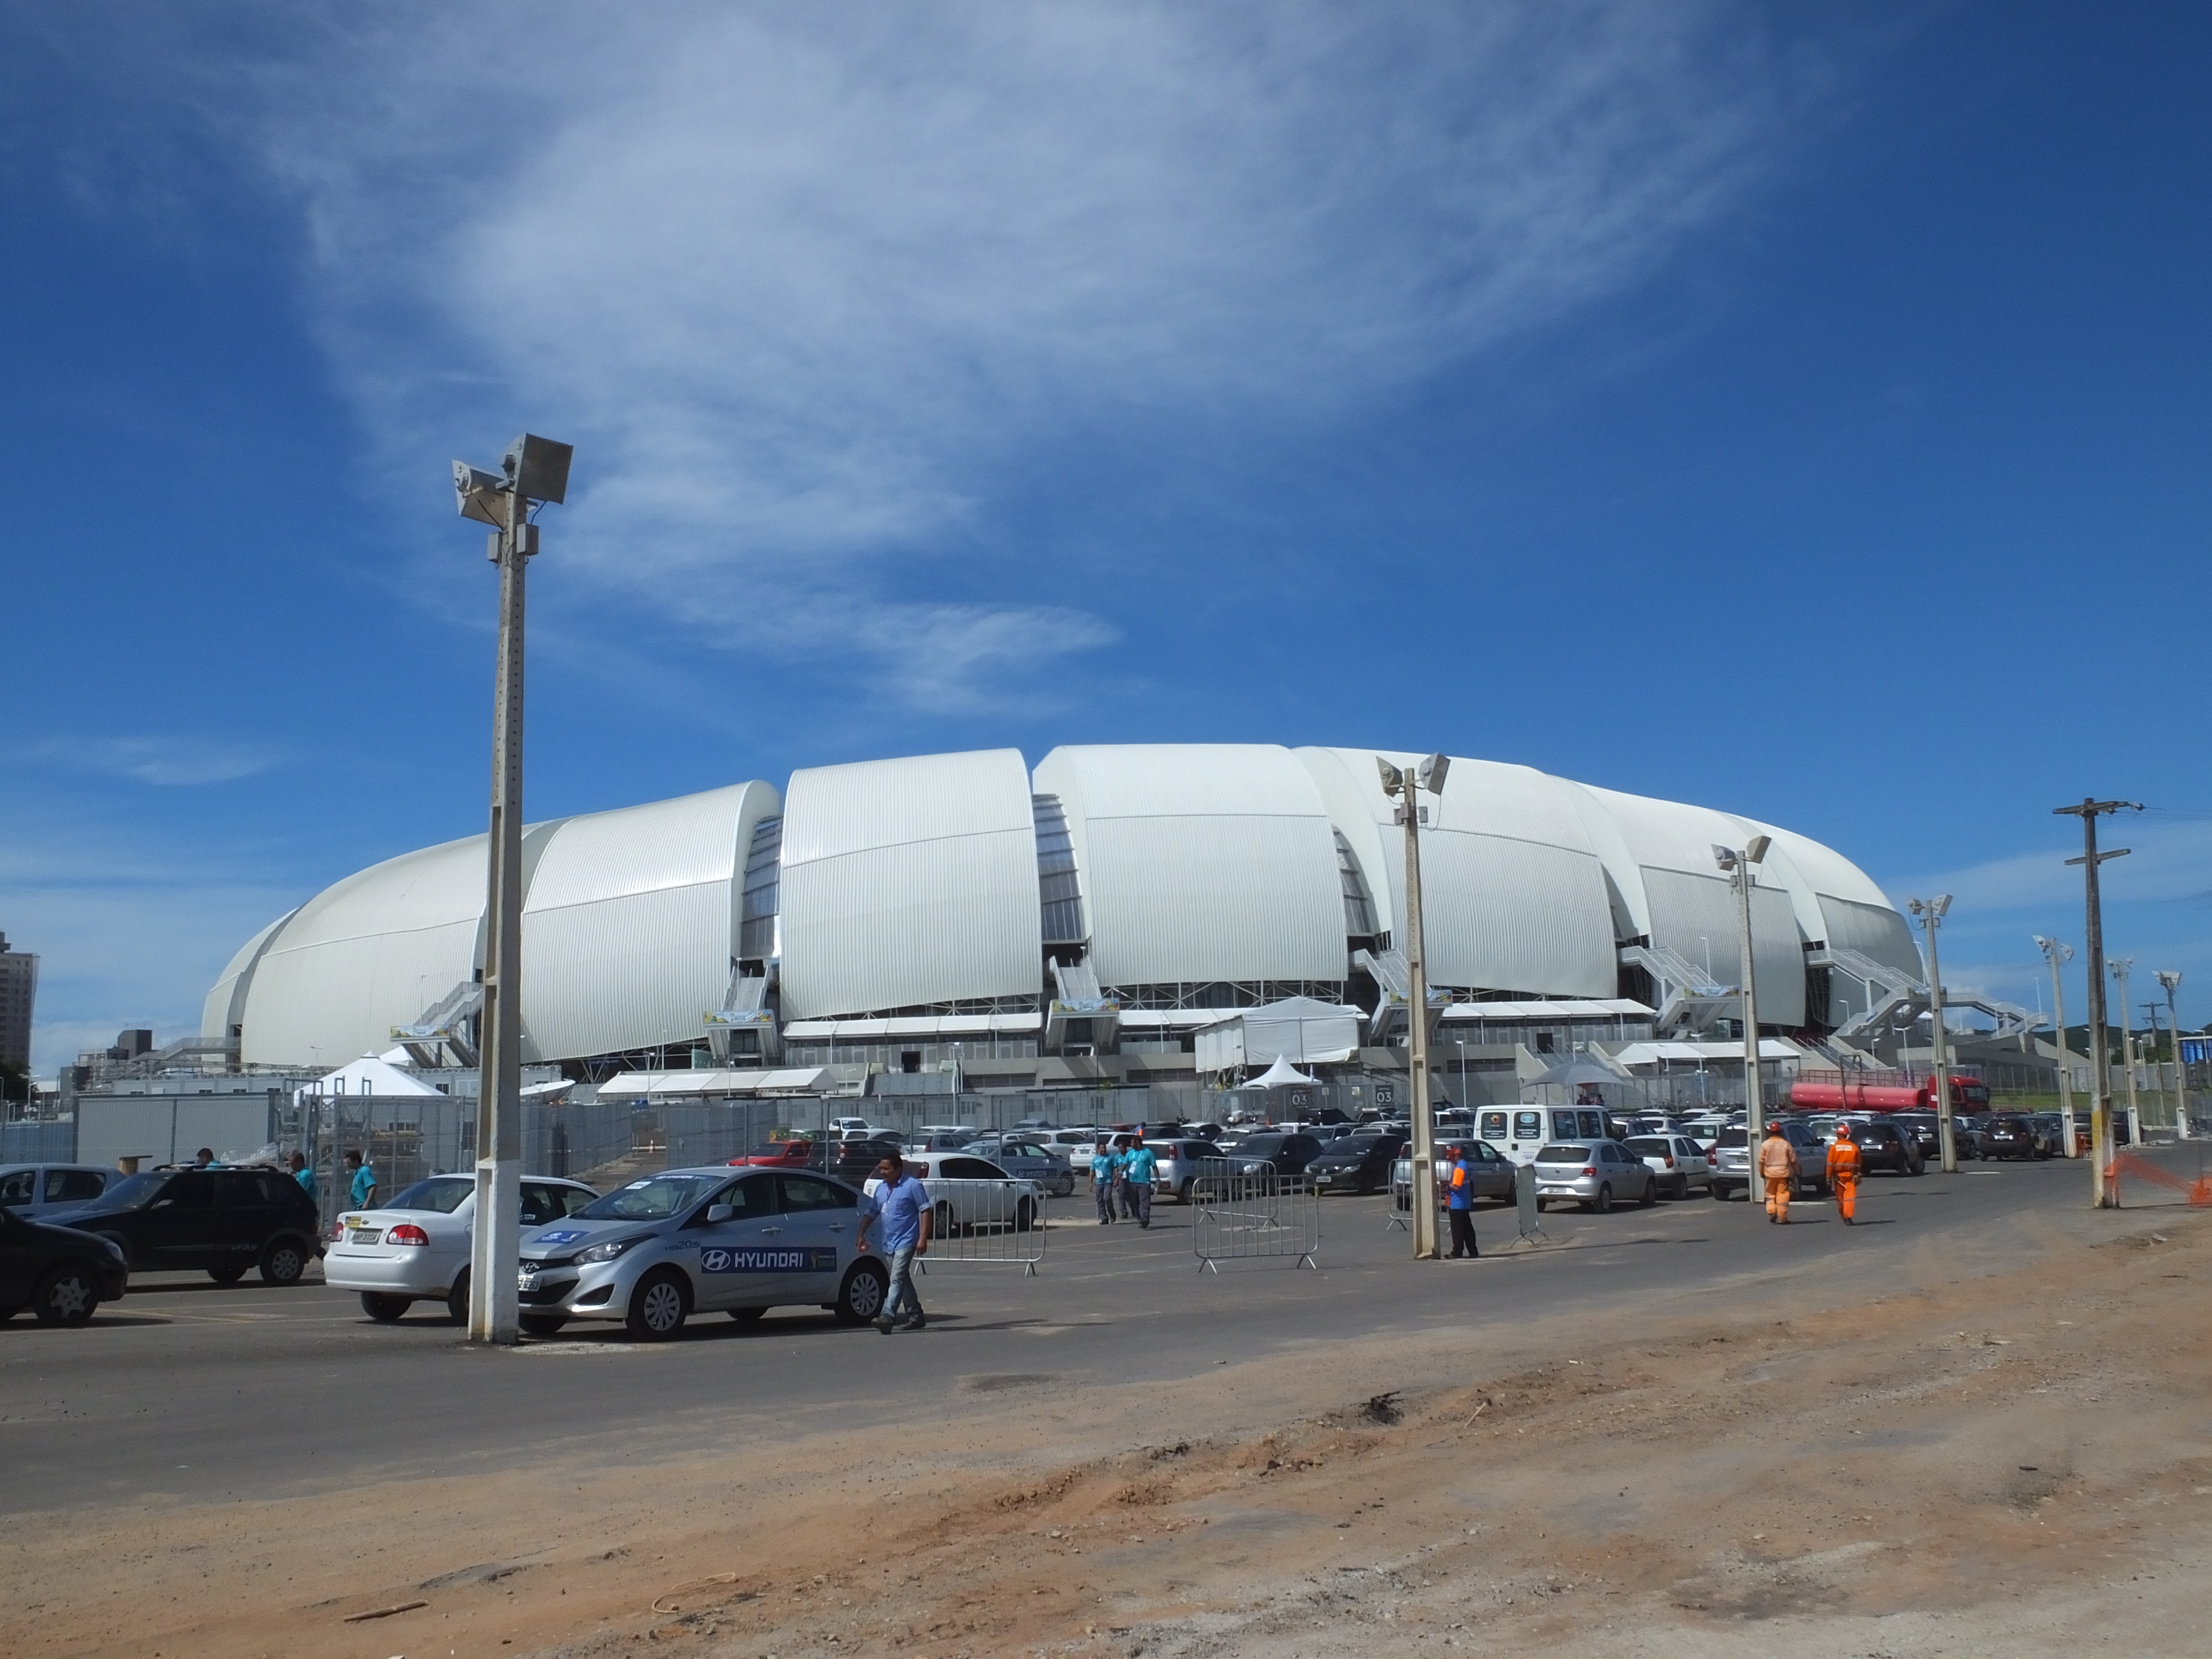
point(907, 882)
point(626, 940)
point(1201, 862)
point(226, 1002)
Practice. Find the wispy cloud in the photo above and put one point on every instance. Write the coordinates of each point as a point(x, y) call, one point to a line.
point(166, 762)
point(812, 289)
point(2168, 861)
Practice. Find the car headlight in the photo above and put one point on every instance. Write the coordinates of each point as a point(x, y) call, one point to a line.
point(608, 1251)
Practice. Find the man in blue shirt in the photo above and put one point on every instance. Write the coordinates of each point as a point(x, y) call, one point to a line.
point(363, 1188)
point(303, 1174)
point(1140, 1165)
point(1105, 1165)
point(1459, 1202)
point(903, 1202)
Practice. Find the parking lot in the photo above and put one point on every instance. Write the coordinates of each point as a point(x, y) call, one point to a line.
point(184, 1382)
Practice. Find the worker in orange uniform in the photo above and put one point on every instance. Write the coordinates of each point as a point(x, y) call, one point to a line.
point(1844, 1173)
point(1778, 1167)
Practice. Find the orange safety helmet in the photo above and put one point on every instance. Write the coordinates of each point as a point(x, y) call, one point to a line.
point(1842, 1131)
point(1774, 1128)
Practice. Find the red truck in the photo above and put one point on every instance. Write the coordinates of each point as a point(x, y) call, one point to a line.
point(1968, 1093)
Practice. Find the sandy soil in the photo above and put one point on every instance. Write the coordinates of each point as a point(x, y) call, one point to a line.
point(2016, 1463)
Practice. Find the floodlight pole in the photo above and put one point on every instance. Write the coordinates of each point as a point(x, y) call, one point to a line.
point(1741, 865)
point(2171, 978)
point(2058, 954)
point(2122, 967)
point(2100, 1111)
point(1930, 912)
point(1406, 783)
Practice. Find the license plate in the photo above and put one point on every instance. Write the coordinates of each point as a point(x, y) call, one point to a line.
point(360, 1236)
point(526, 1281)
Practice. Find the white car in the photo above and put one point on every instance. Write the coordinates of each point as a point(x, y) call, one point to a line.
point(1679, 1162)
point(1076, 1146)
point(415, 1249)
point(967, 1192)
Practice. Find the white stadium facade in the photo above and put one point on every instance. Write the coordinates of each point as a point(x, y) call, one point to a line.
point(1084, 922)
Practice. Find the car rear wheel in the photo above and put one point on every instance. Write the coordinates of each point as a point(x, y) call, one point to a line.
point(658, 1307)
point(1025, 1216)
point(283, 1262)
point(860, 1298)
point(67, 1296)
point(542, 1324)
point(230, 1273)
point(457, 1299)
point(384, 1309)
point(1651, 1194)
point(940, 1219)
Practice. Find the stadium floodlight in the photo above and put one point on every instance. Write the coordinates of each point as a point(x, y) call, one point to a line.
point(534, 470)
point(1931, 913)
point(2171, 979)
point(1405, 785)
point(1741, 865)
point(2058, 955)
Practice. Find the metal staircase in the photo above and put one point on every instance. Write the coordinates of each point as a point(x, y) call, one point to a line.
point(1077, 995)
point(448, 1025)
point(1688, 996)
point(744, 1008)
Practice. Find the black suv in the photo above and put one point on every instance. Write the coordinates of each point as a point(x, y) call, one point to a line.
point(2013, 1136)
point(1360, 1161)
point(222, 1220)
point(59, 1274)
point(1883, 1146)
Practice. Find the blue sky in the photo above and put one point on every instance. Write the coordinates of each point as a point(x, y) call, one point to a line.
point(1795, 410)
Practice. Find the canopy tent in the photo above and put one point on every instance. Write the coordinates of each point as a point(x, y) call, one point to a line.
point(1281, 1074)
point(368, 1076)
point(1651, 1054)
point(796, 1080)
point(1575, 1073)
point(1301, 1029)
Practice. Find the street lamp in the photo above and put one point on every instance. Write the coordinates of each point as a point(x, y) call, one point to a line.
point(2058, 956)
point(1741, 865)
point(2171, 978)
point(534, 470)
point(2122, 967)
point(2092, 906)
point(1404, 785)
point(1930, 912)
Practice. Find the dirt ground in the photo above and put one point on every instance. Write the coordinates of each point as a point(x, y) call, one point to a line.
point(2017, 1462)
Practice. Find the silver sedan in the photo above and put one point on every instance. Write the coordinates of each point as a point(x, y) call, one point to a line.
point(1593, 1174)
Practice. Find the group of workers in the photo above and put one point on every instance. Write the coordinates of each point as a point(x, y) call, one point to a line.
point(1122, 1173)
point(1779, 1169)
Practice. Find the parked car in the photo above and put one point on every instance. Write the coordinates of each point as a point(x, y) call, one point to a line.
point(1677, 1161)
point(1926, 1132)
point(38, 1189)
point(222, 1221)
point(60, 1274)
point(1077, 1145)
point(416, 1248)
point(1286, 1153)
point(715, 1240)
point(1029, 1158)
point(1521, 1131)
point(1183, 1163)
point(2053, 1125)
point(1731, 1164)
point(1970, 1133)
point(1493, 1170)
point(967, 1193)
point(1356, 1163)
point(795, 1154)
point(1595, 1174)
point(848, 1160)
point(1883, 1146)
point(2010, 1134)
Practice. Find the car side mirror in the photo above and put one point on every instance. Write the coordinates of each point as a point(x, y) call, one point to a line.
point(718, 1213)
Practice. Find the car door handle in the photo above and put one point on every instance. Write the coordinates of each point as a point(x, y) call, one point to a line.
point(770, 1232)
point(836, 1226)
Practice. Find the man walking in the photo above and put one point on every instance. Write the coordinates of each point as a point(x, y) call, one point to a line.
point(903, 1202)
point(301, 1173)
point(1778, 1167)
point(1459, 1204)
point(363, 1188)
point(1104, 1162)
point(1844, 1173)
point(1139, 1166)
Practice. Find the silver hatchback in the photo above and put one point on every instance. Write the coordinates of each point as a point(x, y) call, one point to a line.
point(1596, 1175)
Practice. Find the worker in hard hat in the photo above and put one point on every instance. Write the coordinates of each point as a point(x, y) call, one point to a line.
point(1844, 1173)
point(1778, 1167)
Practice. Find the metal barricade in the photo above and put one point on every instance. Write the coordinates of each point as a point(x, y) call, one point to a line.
point(986, 1222)
point(1240, 1216)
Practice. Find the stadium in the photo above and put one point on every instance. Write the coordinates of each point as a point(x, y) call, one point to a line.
point(1116, 914)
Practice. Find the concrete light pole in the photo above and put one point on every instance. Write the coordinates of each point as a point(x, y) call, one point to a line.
point(2100, 1114)
point(1741, 865)
point(2171, 978)
point(1930, 912)
point(533, 470)
point(1404, 785)
point(2058, 955)
point(2122, 966)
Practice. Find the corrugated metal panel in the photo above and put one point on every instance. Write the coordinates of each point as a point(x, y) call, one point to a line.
point(226, 1003)
point(1201, 862)
point(1696, 915)
point(626, 935)
point(1514, 894)
point(907, 882)
point(366, 955)
point(1873, 930)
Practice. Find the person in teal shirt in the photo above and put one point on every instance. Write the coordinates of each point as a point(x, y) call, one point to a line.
point(363, 1189)
point(303, 1174)
point(1139, 1166)
point(1103, 1164)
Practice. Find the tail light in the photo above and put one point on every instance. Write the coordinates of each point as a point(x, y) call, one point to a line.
point(407, 1233)
point(337, 1231)
point(1590, 1171)
point(1670, 1163)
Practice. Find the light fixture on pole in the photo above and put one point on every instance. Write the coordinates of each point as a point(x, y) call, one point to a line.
point(1742, 866)
point(1930, 912)
point(2122, 967)
point(2058, 956)
point(534, 470)
point(1404, 785)
point(2171, 978)
point(2100, 1036)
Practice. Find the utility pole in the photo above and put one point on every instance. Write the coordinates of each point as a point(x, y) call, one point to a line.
point(1930, 912)
point(2122, 967)
point(2171, 979)
point(2058, 956)
point(2100, 1111)
point(533, 470)
point(1741, 867)
point(1405, 784)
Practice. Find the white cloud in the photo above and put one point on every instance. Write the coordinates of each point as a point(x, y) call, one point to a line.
point(810, 287)
point(165, 760)
point(2169, 859)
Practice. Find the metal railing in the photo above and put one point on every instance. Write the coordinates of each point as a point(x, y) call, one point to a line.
point(1237, 1216)
point(986, 1222)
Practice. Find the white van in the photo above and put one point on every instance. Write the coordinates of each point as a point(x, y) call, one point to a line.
point(1519, 1132)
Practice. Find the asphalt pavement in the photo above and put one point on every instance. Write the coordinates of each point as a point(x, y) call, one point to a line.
point(199, 1391)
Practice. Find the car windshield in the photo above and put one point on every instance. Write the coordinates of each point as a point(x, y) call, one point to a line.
point(442, 1194)
point(1730, 1138)
point(1650, 1146)
point(1260, 1145)
point(655, 1198)
point(1562, 1155)
point(131, 1192)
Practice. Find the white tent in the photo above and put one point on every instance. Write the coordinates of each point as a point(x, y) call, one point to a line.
point(1297, 1028)
point(368, 1076)
point(1279, 1074)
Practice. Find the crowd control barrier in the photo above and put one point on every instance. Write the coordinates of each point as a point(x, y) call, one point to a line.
point(1239, 1216)
point(977, 1222)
